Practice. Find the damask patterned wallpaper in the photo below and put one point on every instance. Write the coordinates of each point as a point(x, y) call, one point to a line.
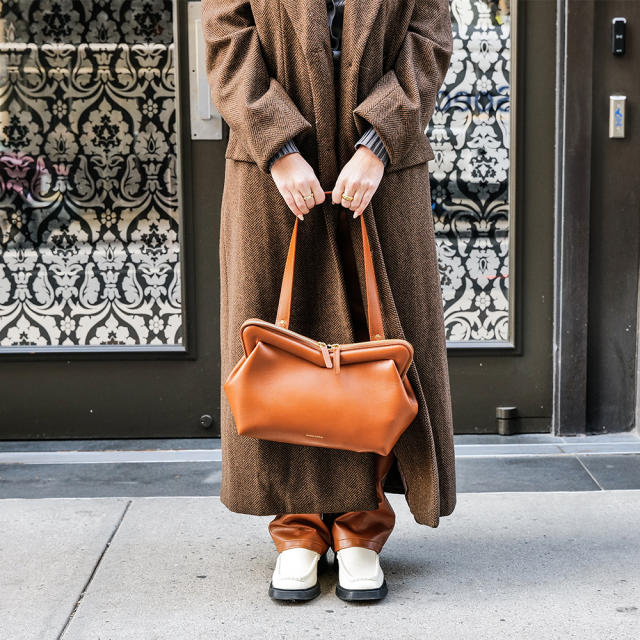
point(88, 186)
point(470, 174)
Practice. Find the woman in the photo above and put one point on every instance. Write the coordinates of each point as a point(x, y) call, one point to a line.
point(304, 119)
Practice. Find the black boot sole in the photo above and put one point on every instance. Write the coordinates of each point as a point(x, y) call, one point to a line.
point(295, 595)
point(351, 595)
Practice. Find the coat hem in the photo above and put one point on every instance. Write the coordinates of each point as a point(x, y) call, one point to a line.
point(309, 508)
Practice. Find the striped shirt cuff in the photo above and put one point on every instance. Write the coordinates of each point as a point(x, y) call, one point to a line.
point(288, 147)
point(371, 139)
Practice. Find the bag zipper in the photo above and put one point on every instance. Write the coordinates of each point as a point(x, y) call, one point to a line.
point(345, 345)
point(323, 345)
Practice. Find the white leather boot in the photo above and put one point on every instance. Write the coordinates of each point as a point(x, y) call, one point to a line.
point(295, 576)
point(360, 576)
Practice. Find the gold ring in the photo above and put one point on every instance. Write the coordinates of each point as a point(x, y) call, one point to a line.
point(349, 198)
point(309, 196)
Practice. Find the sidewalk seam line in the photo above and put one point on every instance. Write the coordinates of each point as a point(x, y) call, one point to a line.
point(93, 572)
point(589, 472)
point(99, 457)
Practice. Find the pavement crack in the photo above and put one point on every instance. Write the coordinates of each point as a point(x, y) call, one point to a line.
point(94, 570)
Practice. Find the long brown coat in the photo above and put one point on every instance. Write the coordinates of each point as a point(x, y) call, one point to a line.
point(270, 69)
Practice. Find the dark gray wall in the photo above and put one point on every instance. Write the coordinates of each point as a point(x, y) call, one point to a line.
point(614, 246)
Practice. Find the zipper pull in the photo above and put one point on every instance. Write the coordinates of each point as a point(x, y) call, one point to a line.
point(325, 354)
point(336, 356)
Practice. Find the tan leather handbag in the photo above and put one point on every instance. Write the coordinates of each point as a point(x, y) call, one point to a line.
point(291, 388)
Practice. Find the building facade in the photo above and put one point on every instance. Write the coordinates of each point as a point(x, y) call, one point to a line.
point(111, 174)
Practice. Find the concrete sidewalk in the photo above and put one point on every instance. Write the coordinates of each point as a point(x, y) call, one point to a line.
point(503, 565)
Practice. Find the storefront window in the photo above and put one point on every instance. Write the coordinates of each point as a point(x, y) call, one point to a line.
point(470, 176)
point(89, 216)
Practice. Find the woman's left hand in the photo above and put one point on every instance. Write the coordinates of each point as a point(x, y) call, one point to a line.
point(359, 178)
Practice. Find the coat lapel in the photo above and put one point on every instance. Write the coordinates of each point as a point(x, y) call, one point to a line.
point(359, 16)
point(307, 16)
point(312, 26)
point(310, 20)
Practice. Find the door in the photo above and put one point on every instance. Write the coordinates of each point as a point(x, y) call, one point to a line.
point(492, 199)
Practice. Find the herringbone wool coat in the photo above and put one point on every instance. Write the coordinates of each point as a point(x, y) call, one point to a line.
point(270, 69)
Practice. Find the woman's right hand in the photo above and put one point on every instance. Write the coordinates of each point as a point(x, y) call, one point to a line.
point(295, 178)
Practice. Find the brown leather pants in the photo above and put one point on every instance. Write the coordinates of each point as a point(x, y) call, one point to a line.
point(368, 529)
point(319, 531)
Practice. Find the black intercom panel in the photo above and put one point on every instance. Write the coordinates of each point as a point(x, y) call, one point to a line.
point(618, 35)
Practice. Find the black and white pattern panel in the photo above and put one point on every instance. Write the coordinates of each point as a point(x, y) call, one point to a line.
point(470, 173)
point(89, 219)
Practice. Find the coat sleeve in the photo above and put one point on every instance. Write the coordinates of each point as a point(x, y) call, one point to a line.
point(401, 103)
point(253, 103)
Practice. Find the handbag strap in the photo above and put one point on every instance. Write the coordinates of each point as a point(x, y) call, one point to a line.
point(374, 312)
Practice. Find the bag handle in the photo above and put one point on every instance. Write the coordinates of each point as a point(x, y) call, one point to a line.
point(374, 312)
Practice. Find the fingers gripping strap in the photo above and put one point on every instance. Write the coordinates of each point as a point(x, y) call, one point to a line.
point(374, 312)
